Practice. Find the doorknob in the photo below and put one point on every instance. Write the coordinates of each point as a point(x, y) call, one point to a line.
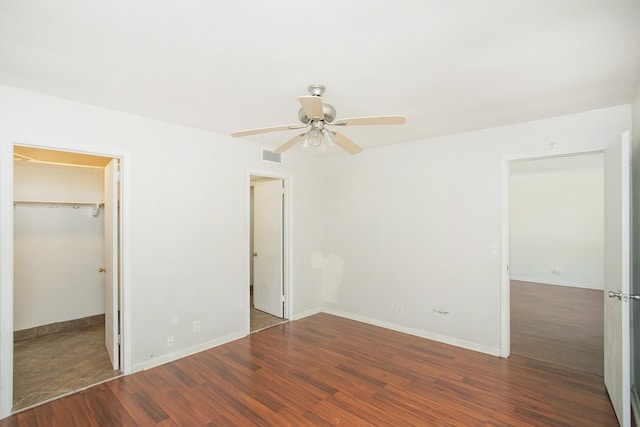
point(620, 296)
point(255, 254)
point(102, 270)
point(615, 295)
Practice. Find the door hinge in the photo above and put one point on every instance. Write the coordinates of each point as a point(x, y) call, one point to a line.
point(281, 298)
point(119, 340)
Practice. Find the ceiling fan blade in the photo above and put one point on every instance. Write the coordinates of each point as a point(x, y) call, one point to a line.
point(373, 120)
point(290, 143)
point(266, 130)
point(346, 144)
point(312, 106)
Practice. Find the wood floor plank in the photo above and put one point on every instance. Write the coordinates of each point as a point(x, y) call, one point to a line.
point(327, 370)
point(558, 324)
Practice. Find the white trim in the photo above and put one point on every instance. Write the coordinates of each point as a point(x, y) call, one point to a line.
point(505, 318)
point(635, 405)
point(6, 276)
point(626, 275)
point(166, 358)
point(6, 251)
point(558, 283)
point(505, 289)
point(306, 313)
point(287, 274)
point(416, 332)
point(126, 337)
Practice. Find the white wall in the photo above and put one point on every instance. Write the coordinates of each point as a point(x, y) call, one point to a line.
point(52, 182)
point(57, 249)
point(410, 224)
point(557, 227)
point(414, 225)
point(188, 218)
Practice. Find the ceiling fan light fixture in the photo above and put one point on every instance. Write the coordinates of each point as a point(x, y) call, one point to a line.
point(313, 139)
point(328, 139)
point(319, 138)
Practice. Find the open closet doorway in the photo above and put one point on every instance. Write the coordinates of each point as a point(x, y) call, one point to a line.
point(268, 248)
point(67, 280)
point(557, 260)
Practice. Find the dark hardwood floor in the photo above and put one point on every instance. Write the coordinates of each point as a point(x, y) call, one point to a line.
point(558, 324)
point(326, 370)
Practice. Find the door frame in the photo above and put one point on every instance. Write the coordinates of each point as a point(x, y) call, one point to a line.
point(505, 291)
point(286, 240)
point(7, 143)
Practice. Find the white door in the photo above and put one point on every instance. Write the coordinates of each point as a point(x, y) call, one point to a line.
point(268, 247)
point(617, 372)
point(111, 329)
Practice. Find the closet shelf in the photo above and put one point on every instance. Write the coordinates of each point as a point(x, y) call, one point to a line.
point(55, 203)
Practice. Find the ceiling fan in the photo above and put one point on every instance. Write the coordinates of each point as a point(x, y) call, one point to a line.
point(318, 116)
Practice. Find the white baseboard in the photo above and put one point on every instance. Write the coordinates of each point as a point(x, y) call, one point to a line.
point(417, 332)
point(306, 313)
point(152, 363)
point(166, 358)
point(161, 360)
point(557, 282)
point(635, 405)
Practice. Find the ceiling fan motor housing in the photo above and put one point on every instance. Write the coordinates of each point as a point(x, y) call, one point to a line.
point(327, 109)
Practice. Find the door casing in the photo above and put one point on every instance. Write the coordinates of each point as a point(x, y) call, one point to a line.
point(268, 221)
point(287, 240)
point(505, 344)
point(112, 263)
point(7, 143)
point(505, 294)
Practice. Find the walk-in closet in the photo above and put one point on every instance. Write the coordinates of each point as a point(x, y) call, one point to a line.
point(59, 275)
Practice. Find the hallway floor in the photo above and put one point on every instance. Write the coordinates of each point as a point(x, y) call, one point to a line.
point(51, 365)
point(558, 324)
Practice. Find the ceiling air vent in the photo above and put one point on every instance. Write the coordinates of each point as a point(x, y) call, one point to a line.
point(271, 157)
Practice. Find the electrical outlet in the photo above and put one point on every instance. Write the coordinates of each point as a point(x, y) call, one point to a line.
point(196, 326)
point(169, 342)
point(399, 310)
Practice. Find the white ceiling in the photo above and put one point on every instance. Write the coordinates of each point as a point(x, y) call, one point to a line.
point(449, 66)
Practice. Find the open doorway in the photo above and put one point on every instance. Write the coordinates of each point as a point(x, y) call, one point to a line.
point(268, 252)
point(557, 260)
point(617, 272)
point(66, 273)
